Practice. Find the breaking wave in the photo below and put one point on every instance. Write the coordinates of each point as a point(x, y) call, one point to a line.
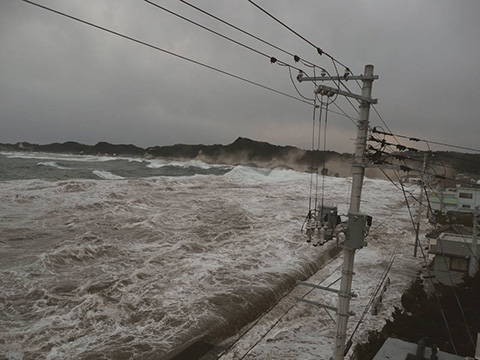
point(107, 175)
point(156, 164)
point(54, 164)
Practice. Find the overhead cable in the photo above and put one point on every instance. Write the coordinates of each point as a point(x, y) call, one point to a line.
point(272, 59)
point(168, 52)
point(319, 51)
point(447, 265)
point(295, 57)
point(437, 297)
point(375, 130)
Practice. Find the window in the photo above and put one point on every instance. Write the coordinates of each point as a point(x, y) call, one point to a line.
point(465, 195)
point(466, 206)
point(458, 264)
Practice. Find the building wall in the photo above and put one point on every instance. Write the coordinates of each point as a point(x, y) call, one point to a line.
point(441, 265)
point(468, 198)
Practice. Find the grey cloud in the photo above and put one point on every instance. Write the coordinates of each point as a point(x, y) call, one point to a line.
point(65, 81)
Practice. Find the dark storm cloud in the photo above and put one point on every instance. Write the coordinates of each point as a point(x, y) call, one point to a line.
point(65, 81)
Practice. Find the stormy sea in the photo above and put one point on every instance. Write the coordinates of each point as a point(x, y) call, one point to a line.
point(131, 258)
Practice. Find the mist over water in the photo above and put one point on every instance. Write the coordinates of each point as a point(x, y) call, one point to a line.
point(130, 258)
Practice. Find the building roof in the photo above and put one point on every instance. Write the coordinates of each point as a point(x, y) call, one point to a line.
point(395, 349)
point(453, 248)
point(451, 229)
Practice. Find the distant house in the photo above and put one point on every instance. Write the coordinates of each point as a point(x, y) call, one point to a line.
point(444, 202)
point(468, 198)
point(460, 198)
point(395, 349)
point(451, 255)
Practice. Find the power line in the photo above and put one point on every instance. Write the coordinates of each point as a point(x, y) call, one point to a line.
point(281, 317)
point(296, 89)
point(465, 241)
point(295, 57)
point(343, 113)
point(383, 121)
point(319, 51)
point(168, 52)
point(382, 277)
point(271, 58)
point(426, 141)
point(429, 272)
point(451, 280)
point(438, 154)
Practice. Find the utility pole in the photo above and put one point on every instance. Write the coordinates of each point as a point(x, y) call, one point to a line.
point(357, 223)
point(419, 213)
point(358, 173)
point(472, 270)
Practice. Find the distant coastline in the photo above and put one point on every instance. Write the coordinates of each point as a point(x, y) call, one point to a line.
point(242, 151)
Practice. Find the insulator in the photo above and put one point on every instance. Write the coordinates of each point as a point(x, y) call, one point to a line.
point(330, 93)
point(300, 74)
point(324, 72)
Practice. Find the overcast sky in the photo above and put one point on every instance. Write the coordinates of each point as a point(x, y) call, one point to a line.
point(61, 80)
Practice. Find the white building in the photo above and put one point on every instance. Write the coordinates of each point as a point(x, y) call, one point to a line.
point(463, 199)
point(468, 198)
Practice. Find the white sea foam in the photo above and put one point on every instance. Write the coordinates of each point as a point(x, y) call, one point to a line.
point(107, 175)
point(157, 163)
point(140, 266)
point(65, 157)
point(53, 164)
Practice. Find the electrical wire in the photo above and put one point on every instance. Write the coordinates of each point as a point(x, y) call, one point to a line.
point(271, 58)
point(295, 87)
point(318, 155)
point(319, 51)
point(382, 277)
point(408, 169)
point(465, 241)
point(313, 161)
point(324, 153)
point(352, 120)
point(281, 317)
point(427, 141)
point(458, 229)
point(383, 121)
point(295, 57)
point(430, 275)
point(167, 52)
point(451, 280)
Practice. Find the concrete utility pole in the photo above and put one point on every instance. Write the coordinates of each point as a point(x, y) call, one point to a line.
point(358, 223)
point(472, 270)
point(419, 213)
point(358, 173)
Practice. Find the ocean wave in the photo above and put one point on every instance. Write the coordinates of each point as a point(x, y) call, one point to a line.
point(107, 175)
point(156, 164)
point(249, 175)
point(65, 157)
point(54, 164)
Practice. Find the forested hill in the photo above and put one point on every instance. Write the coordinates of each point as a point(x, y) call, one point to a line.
point(242, 151)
